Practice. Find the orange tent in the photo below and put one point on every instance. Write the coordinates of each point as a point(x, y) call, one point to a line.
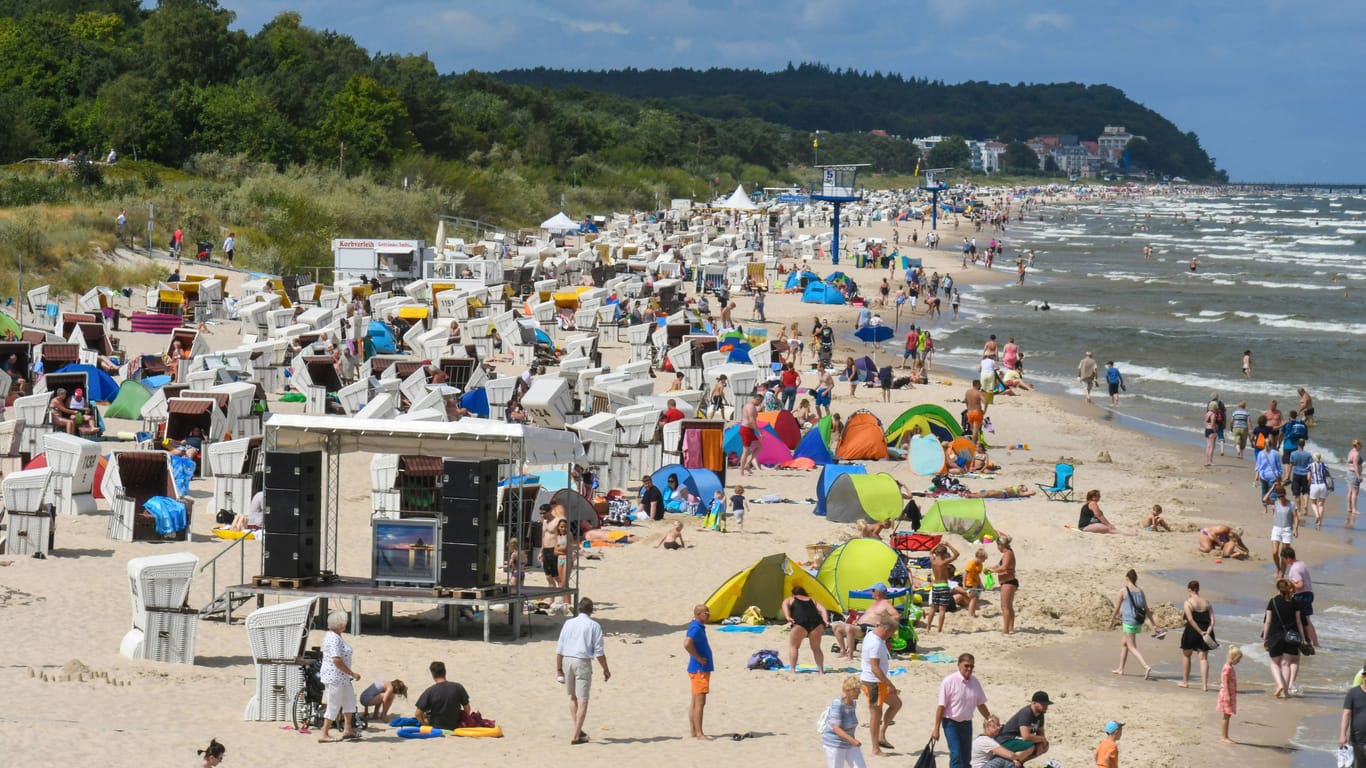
point(862, 438)
point(785, 424)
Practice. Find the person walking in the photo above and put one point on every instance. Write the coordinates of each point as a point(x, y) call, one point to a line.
point(337, 677)
point(1282, 635)
point(1086, 374)
point(1352, 732)
point(1114, 380)
point(1297, 573)
point(749, 433)
point(1353, 482)
point(841, 723)
point(579, 644)
point(1211, 433)
point(1131, 607)
point(1107, 752)
point(700, 666)
point(873, 675)
point(1198, 636)
point(1239, 421)
point(959, 694)
point(230, 247)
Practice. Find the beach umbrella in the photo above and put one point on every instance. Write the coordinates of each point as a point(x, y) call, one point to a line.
point(875, 335)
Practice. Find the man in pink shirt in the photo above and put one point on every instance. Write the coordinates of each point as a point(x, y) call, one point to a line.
point(959, 694)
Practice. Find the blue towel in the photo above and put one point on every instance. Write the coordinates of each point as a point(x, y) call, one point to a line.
point(182, 472)
point(755, 629)
point(168, 513)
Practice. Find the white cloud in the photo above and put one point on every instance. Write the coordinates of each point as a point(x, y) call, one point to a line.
point(474, 31)
point(597, 27)
point(682, 44)
point(1054, 20)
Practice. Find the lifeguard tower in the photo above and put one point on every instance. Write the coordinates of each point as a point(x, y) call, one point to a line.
point(837, 187)
point(934, 187)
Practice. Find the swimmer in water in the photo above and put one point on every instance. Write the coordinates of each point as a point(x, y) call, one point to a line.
point(1194, 264)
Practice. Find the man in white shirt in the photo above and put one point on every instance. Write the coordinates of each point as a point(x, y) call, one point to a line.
point(873, 676)
point(580, 642)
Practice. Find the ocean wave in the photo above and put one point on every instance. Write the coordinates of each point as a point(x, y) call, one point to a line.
point(1298, 286)
point(1324, 241)
point(1213, 312)
point(1203, 319)
point(1313, 325)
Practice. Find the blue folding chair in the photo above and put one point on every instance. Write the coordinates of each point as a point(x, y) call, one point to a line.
point(1061, 489)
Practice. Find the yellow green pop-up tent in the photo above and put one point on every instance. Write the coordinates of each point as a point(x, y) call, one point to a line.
point(965, 517)
point(766, 584)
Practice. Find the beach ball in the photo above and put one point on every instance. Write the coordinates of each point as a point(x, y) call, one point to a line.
point(917, 599)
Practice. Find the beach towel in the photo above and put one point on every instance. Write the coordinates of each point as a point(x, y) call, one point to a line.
point(741, 628)
point(182, 472)
point(169, 514)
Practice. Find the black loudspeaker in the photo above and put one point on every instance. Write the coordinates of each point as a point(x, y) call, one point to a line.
point(293, 511)
point(466, 566)
point(291, 556)
point(293, 470)
point(470, 480)
point(468, 521)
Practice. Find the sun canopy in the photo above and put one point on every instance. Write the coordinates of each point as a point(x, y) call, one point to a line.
point(702, 483)
point(795, 279)
point(772, 451)
point(560, 223)
point(100, 386)
point(821, 293)
point(738, 200)
point(862, 438)
point(464, 439)
point(577, 509)
point(930, 418)
point(854, 497)
point(815, 445)
point(785, 424)
point(965, 517)
point(766, 584)
point(854, 566)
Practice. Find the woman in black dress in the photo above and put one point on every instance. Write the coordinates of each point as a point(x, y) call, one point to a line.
point(1198, 635)
point(1282, 618)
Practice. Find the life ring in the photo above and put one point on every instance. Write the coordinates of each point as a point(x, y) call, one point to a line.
point(494, 732)
point(420, 732)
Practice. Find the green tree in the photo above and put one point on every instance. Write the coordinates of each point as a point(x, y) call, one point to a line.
point(952, 152)
point(1019, 158)
point(367, 122)
point(1142, 155)
point(188, 41)
point(241, 119)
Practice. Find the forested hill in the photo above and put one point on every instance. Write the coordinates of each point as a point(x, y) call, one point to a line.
point(814, 97)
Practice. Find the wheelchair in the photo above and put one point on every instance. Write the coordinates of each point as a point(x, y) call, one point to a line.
point(309, 709)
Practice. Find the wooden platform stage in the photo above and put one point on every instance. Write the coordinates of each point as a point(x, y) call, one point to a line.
point(358, 590)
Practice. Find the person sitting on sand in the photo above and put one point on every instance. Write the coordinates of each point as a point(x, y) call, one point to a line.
point(804, 414)
point(673, 539)
point(1226, 539)
point(1092, 520)
point(1154, 521)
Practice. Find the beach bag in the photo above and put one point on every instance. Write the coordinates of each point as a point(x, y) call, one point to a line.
point(752, 616)
point(823, 722)
point(1328, 480)
point(926, 759)
point(765, 659)
point(899, 577)
point(1291, 635)
point(475, 720)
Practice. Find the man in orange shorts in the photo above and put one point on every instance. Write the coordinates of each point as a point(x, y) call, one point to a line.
point(700, 667)
point(977, 408)
point(876, 683)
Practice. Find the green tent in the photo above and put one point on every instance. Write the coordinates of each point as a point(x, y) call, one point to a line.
point(965, 517)
point(766, 584)
point(932, 420)
point(129, 401)
point(854, 497)
point(9, 327)
point(856, 565)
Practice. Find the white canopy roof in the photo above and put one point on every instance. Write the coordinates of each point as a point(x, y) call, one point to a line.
point(464, 439)
point(738, 200)
point(559, 223)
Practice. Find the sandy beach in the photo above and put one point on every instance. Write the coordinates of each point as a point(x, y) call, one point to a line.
point(75, 701)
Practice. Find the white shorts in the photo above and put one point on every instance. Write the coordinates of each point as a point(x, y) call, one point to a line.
point(1318, 491)
point(578, 677)
point(1283, 535)
point(341, 697)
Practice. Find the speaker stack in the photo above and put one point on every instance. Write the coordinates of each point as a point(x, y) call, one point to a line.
point(293, 514)
point(469, 524)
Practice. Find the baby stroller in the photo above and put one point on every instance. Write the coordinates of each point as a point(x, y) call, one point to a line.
point(309, 707)
point(203, 250)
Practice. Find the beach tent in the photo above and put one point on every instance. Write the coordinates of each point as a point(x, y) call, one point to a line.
point(379, 339)
point(772, 450)
point(794, 280)
point(577, 508)
point(785, 424)
point(829, 474)
point(932, 420)
point(766, 584)
point(854, 497)
point(862, 438)
point(9, 327)
point(129, 401)
point(100, 386)
point(965, 517)
point(815, 445)
point(560, 223)
point(865, 369)
point(738, 200)
point(821, 293)
point(702, 483)
point(854, 566)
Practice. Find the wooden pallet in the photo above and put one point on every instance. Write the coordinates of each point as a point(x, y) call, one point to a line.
point(283, 583)
point(472, 593)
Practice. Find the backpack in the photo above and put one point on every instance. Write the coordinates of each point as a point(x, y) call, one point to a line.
point(765, 659)
point(823, 722)
point(899, 576)
point(1220, 412)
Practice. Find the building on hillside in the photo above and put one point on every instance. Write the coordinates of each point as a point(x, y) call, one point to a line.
point(927, 143)
point(990, 155)
point(1112, 141)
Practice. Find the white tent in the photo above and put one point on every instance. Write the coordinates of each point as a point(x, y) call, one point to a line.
point(560, 223)
point(739, 200)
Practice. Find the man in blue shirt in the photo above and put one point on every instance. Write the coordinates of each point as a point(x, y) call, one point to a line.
point(700, 666)
point(1300, 460)
point(1292, 432)
point(1268, 470)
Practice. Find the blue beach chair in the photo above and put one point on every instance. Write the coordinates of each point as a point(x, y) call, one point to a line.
point(1061, 489)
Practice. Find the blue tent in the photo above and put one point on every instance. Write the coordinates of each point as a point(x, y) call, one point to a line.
point(794, 280)
point(828, 474)
point(812, 446)
point(822, 293)
point(703, 483)
point(100, 386)
point(380, 339)
point(476, 401)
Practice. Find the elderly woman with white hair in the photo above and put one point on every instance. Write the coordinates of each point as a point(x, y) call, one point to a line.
point(337, 675)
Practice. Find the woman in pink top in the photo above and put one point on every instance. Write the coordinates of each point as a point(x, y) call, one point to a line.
point(1010, 355)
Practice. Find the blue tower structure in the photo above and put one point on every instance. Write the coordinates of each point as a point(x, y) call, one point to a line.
point(837, 186)
point(934, 189)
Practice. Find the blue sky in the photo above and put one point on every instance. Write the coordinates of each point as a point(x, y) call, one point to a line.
point(1270, 86)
